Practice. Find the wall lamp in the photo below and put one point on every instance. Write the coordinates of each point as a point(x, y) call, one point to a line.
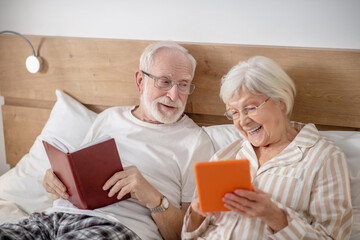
point(33, 63)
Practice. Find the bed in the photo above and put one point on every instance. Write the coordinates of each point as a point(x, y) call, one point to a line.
point(81, 77)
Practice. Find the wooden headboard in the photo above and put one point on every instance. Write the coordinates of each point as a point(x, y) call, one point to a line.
point(100, 74)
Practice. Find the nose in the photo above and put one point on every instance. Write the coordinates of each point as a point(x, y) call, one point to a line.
point(173, 93)
point(242, 118)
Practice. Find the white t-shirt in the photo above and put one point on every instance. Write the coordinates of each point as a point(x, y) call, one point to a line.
point(163, 153)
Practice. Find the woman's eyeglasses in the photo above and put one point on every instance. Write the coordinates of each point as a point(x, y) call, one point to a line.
point(233, 114)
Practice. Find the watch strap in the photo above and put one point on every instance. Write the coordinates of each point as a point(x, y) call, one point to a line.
point(164, 204)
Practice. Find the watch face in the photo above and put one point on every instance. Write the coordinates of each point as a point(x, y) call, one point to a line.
point(162, 207)
point(165, 203)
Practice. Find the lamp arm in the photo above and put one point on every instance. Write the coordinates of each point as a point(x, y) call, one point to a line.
point(16, 33)
point(32, 63)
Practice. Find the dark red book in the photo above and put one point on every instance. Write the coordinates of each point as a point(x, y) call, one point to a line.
point(85, 171)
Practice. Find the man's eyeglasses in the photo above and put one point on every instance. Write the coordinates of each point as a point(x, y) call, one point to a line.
point(233, 114)
point(165, 84)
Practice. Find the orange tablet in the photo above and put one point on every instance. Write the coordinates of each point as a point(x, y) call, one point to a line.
point(215, 179)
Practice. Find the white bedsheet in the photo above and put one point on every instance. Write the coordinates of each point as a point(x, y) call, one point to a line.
point(10, 212)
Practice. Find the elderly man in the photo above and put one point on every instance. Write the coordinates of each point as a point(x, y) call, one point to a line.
point(158, 145)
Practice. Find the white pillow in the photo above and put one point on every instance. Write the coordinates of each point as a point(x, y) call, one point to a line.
point(222, 135)
point(348, 141)
point(69, 120)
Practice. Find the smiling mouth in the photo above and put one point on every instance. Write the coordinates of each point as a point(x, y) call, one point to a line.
point(168, 106)
point(252, 131)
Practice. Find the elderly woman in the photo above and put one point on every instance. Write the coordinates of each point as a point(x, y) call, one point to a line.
point(300, 179)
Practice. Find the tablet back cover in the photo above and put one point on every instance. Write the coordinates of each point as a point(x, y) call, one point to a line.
point(215, 179)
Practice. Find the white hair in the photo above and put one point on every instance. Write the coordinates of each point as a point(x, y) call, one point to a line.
point(259, 75)
point(147, 57)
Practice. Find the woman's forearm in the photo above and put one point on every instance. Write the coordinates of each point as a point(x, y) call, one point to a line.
point(195, 221)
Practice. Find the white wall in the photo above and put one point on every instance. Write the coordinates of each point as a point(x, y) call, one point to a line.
point(303, 23)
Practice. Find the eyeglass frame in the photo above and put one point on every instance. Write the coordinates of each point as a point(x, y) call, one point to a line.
point(245, 110)
point(172, 83)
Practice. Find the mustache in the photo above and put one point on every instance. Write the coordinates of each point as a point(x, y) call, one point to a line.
point(166, 101)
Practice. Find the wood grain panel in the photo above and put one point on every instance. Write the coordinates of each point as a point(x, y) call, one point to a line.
point(96, 71)
point(101, 72)
point(327, 81)
point(21, 127)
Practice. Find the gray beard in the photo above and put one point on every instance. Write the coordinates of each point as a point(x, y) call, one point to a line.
point(152, 108)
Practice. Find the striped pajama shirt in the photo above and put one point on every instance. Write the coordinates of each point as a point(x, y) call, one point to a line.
point(309, 180)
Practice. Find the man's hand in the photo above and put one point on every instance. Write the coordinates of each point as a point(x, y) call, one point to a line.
point(132, 181)
point(54, 186)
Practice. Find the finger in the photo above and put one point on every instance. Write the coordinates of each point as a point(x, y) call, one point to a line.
point(250, 195)
point(113, 179)
point(47, 178)
point(125, 190)
point(235, 198)
point(235, 205)
point(244, 207)
point(53, 185)
point(55, 188)
point(129, 167)
point(236, 202)
point(235, 209)
point(57, 184)
point(118, 186)
point(58, 187)
point(57, 192)
point(241, 203)
point(64, 195)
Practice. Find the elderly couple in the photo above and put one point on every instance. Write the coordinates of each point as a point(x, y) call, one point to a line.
point(300, 179)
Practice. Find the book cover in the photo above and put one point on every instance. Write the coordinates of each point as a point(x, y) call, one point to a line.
point(85, 171)
point(215, 179)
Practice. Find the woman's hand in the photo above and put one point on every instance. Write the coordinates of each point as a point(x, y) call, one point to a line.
point(256, 204)
point(54, 186)
point(197, 216)
point(195, 207)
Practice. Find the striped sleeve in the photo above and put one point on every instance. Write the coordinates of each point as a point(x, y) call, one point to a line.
point(330, 207)
point(197, 232)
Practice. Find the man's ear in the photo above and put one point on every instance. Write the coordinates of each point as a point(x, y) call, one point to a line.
point(140, 81)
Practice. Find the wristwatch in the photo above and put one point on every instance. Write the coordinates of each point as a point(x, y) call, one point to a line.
point(164, 204)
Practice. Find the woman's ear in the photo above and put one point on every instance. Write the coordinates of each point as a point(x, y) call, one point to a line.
point(282, 106)
point(140, 77)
